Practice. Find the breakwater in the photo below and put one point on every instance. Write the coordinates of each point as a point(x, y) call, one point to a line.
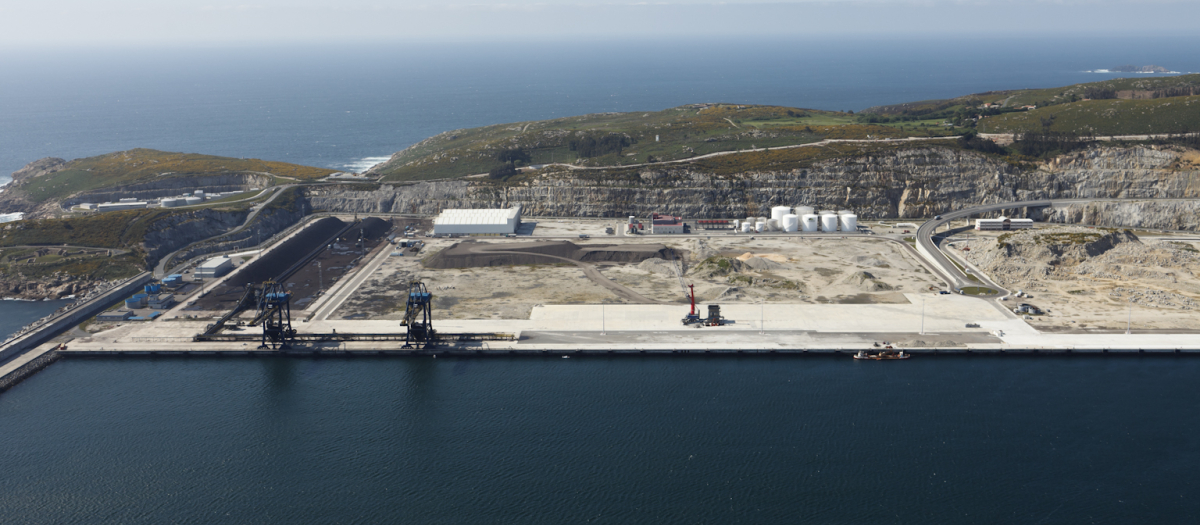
point(17, 355)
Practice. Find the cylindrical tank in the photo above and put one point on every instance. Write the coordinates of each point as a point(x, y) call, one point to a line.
point(808, 223)
point(193, 200)
point(736, 224)
point(826, 212)
point(747, 226)
point(778, 212)
point(845, 212)
point(169, 202)
point(804, 210)
point(751, 219)
point(632, 219)
point(829, 223)
point(760, 226)
point(198, 193)
point(772, 225)
point(791, 223)
point(849, 222)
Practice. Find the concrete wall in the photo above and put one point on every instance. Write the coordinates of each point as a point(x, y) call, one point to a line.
point(73, 317)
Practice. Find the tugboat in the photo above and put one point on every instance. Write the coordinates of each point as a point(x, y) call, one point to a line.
point(887, 354)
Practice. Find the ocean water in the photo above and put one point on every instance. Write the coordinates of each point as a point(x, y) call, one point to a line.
point(15, 314)
point(347, 107)
point(656, 440)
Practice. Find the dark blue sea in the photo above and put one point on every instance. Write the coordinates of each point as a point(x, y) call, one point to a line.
point(347, 107)
point(586, 440)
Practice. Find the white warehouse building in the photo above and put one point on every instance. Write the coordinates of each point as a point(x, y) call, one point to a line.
point(1003, 223)
point(495, 221)
point(215, 267)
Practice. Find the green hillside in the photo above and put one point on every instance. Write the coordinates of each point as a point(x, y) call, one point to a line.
point(137, 165)
point(620, 139)
point(1103, 117)
point(1111, 107)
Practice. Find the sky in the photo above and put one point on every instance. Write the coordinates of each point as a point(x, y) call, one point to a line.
point(89, 23)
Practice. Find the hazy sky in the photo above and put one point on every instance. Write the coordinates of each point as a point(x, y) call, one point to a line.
point(40, 23)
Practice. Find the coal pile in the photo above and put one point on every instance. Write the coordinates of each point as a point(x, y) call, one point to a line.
point(476, 255)
point(275, 261)
point(372, 228)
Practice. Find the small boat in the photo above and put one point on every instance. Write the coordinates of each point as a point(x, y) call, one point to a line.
point(885, 355)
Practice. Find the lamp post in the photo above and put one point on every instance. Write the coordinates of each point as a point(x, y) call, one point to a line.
point(320, 278)
point(762, 316)
point(922, 315)
point(601, 319)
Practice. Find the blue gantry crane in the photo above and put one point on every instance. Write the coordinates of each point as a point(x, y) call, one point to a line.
point(418, 317)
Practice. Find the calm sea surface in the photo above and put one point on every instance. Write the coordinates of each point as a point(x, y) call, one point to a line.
point(525, 440)
point(603, 440)
point(345, 107)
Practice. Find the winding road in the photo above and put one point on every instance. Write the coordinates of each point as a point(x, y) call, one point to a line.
point(927, 240)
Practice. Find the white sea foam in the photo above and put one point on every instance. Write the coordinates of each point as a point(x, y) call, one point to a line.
point(363, 164)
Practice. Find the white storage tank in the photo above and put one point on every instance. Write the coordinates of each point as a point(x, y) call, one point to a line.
point(747, 226)
point(632, 219)
point(791, 223)
point(778, 212)
point(804, 210)
point(736, 224)
point(772, 225)
point(829, 223)
point(808, 223)
point(845, 212)
point(849, 222)
point(193, 200)
point(169, 202)
point(760, 226)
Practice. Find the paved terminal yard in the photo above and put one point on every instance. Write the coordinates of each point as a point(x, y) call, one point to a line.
point(637, 328)
point(777, 294)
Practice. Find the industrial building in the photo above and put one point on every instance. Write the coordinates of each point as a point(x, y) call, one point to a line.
point(1003, 223)
point(160, 301)
point(666, 224)
point(123, 205)
point(213, 268)
point(477, 221)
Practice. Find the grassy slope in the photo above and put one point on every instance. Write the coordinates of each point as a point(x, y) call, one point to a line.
point(681, 133)
point(1039, 97)
point(127, 167)
point(1104, 117)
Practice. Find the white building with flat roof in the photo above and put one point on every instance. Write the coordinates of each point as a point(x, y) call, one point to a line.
point(215, 267)
point(117, 206)
point(1003, 223)
point(477, 221)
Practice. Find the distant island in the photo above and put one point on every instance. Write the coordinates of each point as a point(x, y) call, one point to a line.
point(1140, 69)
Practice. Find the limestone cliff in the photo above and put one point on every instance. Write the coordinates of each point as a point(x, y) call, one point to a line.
point(916, 182)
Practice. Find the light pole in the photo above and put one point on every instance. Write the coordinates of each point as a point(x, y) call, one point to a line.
point(1129, 319)
point(922, 315)
point(320, 278)
point(601, 319)
point(762, 316)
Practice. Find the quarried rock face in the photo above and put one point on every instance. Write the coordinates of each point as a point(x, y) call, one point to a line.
point(917, 182)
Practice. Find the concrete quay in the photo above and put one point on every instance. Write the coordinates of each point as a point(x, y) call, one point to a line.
point(939, 326)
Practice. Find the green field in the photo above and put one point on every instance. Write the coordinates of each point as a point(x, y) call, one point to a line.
point(1104, 117)
point(139, 165)
point(635, 138)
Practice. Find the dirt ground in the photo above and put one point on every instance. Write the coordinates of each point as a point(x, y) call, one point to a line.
point(777, 269)
point(1152, 283)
